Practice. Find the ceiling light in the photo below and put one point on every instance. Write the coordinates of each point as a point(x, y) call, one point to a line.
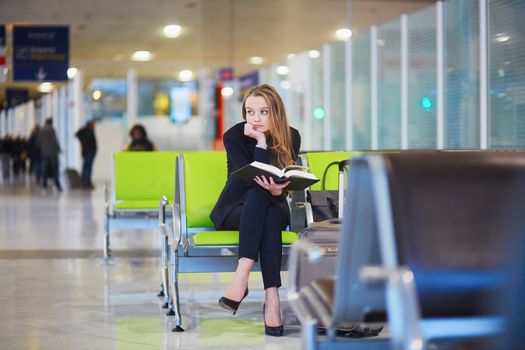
point(314, 54)
point(72, 72)
point(185, 75)
point(501, 37)
point(255, 60)
point(290, 56)
point(97, 94)
point(142, 56)
point(227, 92)
point(285, 84)
point(282, 70)
point(172, 31)
point(343, 34)
point(45, 87)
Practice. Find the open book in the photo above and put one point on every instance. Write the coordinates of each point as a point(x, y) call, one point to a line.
point(299, 179)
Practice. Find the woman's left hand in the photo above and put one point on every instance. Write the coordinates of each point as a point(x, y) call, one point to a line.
point(270, 185)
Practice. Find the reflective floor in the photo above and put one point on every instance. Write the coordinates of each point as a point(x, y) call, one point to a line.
point(58, 294)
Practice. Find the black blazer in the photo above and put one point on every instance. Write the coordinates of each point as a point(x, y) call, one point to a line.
point(240, 151)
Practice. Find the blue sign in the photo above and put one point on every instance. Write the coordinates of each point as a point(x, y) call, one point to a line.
point(225, 74)
point(40, 53)
point(2, 46)
point(247, 81)
point(2, 35)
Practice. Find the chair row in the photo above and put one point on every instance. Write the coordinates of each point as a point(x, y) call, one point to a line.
point(189, 243)
point(423, 248)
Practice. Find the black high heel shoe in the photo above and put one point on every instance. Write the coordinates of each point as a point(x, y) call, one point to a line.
point(232, 305)
point(272, 331)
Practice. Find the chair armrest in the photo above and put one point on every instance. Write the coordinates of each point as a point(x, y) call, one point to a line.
point(297, 212)
point(404, 314)
point(108, 205)
point(176, 229)
point(162, 214)
point(308, 211)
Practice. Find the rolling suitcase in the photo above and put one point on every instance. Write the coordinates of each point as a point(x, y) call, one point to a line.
point(326, 235)
point(73, 178)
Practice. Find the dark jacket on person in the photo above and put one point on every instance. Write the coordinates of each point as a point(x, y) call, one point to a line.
point(32, 146)
point(47, 141)
point(241, 150)
point(88, 142)
point(141, 145)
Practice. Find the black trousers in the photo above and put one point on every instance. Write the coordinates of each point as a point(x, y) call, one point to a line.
point(260, 220)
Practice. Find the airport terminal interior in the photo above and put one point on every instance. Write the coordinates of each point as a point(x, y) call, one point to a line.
point(116, 151)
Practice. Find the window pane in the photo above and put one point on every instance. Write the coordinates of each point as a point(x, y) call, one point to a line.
point(317, 118)
point(462, 73)
point(337, 96)
point(361, 91)
point(389, 85)
point(422, 79)
point(108, 98)
point(507, 73)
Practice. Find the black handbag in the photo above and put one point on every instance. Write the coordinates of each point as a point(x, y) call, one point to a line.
point(325, 203)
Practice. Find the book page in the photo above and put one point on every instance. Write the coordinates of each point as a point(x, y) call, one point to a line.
point(269, 168)
point(294, 166)
point(299, 173)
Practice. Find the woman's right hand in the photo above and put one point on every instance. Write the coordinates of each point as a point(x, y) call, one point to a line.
point(250, 131)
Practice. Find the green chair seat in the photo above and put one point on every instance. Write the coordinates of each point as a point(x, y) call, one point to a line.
point(232, 238)
point(317, 163)
point(139, 204)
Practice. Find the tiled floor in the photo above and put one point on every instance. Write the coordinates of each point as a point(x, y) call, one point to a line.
point(56, 292)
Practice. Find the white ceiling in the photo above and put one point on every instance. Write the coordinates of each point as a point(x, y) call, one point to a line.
point(216, 33)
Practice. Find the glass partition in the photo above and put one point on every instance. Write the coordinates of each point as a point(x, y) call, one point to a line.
point(422, 93)
point(507, 73)
point(389, 85)
point(361, 91)
point(462, 74)
point(337, 96)
point(317, 116)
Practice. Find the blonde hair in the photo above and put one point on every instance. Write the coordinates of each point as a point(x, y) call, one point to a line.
point(279, 130)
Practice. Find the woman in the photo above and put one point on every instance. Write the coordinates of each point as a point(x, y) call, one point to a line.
point(139, 139)
point(258, 209)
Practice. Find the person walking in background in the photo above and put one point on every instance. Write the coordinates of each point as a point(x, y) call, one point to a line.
point(139, 139)
point(35, 153)
point(48, 143)
point(88, 143)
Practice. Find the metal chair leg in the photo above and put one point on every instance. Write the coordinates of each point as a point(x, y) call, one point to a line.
point(175, 290)
point(160, 294)
point(171, 311)
point(165, 272)
point(107, 251)
point(309, 335)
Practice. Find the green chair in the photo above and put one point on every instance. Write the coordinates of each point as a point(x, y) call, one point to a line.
point(197, 246)
point(139, 179)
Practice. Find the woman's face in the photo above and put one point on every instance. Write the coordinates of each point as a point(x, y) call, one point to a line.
point(257, 113)
point(137, 135)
